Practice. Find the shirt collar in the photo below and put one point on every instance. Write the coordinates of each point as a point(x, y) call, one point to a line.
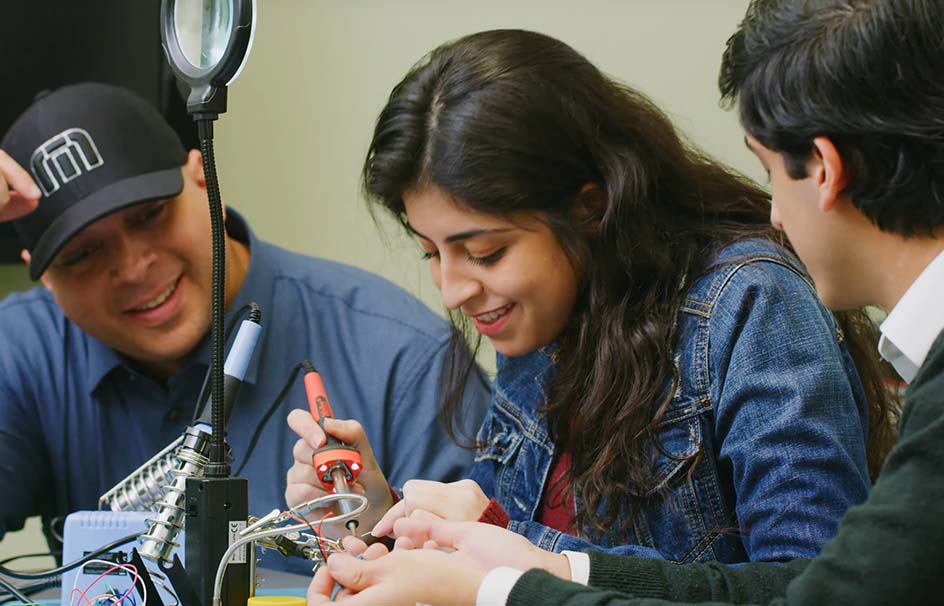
point(257, 286)
point(912, 326)
point(102, 359)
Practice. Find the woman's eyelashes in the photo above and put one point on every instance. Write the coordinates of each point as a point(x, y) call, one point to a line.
point(483, 260)
point(488, 259)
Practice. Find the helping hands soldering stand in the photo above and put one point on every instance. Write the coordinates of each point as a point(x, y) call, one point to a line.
point(266, 532)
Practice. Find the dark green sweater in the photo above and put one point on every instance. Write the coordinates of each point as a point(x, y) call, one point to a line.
point(889, 550)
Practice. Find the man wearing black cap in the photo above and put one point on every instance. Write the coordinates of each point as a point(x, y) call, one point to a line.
point(101, 369)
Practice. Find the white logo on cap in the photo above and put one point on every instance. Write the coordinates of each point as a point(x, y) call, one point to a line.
point(63, 158)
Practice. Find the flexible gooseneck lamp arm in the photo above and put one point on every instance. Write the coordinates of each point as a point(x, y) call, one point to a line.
point(207, 43)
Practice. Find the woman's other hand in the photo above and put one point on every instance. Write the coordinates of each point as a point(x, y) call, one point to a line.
point(461, 501)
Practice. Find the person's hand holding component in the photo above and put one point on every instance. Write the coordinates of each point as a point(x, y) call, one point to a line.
point(302, 480)
point(461, 501)
point(449, 569)
point(322, 585)
point(19, 195)
point(404, 576)
point(489, 545)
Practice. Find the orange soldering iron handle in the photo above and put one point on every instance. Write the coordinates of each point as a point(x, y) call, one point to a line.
point(334, 455)
point(318, 402)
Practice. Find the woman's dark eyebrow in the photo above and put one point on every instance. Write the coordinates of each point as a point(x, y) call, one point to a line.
point(464, 235)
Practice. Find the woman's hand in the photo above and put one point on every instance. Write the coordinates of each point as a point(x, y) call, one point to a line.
point(323, 584)
point(404, 576)
point(461, 501)
point(430, 575)
point(18, 193)
point(302, 482)
point(488, 545)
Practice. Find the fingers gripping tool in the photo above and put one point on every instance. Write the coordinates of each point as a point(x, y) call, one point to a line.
point(337, 464)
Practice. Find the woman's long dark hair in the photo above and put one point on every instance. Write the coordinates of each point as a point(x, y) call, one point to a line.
point(509, 121)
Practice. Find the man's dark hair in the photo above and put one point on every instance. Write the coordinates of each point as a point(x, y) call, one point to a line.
point(867, 74)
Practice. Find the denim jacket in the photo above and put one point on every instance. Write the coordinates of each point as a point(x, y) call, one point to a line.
point(769, 401)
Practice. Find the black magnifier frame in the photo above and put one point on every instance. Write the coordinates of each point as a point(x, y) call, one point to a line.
point(208, 84)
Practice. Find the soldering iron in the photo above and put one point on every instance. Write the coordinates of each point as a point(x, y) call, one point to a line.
point(338, 465)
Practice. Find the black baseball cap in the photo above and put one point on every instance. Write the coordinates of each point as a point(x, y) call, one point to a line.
point(92, 149)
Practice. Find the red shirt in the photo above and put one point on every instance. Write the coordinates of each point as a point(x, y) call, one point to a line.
point(554, 511)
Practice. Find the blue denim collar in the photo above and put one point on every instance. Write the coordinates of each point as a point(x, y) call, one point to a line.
point(521, 385)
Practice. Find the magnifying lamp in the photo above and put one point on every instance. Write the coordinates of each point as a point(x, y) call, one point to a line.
point(207, 43)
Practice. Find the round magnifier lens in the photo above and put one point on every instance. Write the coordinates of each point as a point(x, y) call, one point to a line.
point(203, 29)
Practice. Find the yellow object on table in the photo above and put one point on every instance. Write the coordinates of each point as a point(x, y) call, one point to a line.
point(276, 600)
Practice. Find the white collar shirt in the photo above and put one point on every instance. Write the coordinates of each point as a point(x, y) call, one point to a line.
point(912, 326)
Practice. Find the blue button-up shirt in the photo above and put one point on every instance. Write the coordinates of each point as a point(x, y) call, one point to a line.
point(76, 418)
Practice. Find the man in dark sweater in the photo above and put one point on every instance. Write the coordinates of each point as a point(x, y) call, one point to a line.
point(842, 102)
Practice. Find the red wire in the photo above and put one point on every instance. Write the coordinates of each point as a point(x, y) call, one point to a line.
point(317, 532)
point(324, 554)
point(124, 566)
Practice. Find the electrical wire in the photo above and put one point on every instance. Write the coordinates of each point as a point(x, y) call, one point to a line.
point(281, 531)
point(268, 414)
point(16, 574)
point(13, 591)
point(111, 593)
point(158, 579)
point(317, 533)
point(50, 554)
point(57, 521)
point(324, 554)
point(31, 588)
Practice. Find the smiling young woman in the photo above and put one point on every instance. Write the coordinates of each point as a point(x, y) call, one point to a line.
point(668, 383)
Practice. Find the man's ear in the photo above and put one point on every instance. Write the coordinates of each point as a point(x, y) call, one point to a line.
point(828, 172)
point(24, 254)
point(194, 168)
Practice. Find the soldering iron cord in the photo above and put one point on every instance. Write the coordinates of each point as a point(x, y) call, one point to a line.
point(15, 574)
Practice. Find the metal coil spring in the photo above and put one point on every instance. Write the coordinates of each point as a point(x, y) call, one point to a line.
point(141, 490)
point(160, 538)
